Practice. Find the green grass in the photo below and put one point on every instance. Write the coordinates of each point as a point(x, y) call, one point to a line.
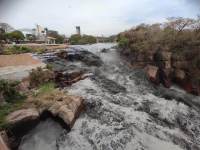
point(6, 109)
point(45, 88)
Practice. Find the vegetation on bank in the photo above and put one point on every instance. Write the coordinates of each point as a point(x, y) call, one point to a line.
point(181, 36)
point(39, 77)
point(9, 92)
point(12, 97)
point(177, 35)
point(81, 40)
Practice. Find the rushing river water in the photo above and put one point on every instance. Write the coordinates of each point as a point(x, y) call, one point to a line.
point(123, 112)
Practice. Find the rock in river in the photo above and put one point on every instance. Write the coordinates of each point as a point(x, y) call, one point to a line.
point(82, 55)
point(67, 108)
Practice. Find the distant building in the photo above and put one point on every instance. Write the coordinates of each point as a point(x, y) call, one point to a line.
point(78, 30)
point(37, 35)
point(50, 40)
point(40, 33)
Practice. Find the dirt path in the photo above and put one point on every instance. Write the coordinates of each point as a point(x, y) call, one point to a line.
point(16, 67)
point(18, 60)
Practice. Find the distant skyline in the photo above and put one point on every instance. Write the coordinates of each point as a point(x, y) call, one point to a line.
point(96, 17)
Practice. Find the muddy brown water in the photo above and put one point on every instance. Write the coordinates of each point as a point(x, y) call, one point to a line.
point(123, 111)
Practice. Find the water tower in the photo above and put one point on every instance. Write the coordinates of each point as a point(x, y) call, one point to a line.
point(78, 30)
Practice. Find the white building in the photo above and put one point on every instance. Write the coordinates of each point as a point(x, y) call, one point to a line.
point(40, 33)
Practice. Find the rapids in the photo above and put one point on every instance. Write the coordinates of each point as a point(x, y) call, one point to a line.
point(123, 112)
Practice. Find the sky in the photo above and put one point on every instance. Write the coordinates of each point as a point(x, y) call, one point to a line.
point(96, 17)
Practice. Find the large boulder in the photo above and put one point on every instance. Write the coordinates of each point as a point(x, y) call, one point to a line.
point(22, 116)
point(86, 57)
point(67, 108)
point(20, 122)
point(152, 73)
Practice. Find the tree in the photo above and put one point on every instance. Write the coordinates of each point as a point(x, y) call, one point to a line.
point(85, 39)
point(60, 39)
point(74, 39)
point(15, 36)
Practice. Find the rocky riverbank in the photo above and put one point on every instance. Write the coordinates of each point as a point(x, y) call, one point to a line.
point(171, 48)
point(53, 103)
point(165, 67)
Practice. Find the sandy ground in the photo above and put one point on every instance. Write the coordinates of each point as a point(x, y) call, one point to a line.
point(17, 60)
point(16, 67)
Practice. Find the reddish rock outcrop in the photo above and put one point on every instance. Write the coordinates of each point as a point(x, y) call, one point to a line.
point(152, 73)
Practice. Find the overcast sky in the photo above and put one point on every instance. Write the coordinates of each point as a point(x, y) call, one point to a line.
point(95, 17)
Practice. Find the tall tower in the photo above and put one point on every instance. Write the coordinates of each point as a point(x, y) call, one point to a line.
point(78, 30)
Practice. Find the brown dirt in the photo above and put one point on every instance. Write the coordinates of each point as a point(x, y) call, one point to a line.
point(18, 60)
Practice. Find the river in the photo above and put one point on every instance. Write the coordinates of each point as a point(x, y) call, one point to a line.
point(123, 112)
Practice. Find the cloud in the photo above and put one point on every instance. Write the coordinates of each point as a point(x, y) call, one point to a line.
point(94, 16)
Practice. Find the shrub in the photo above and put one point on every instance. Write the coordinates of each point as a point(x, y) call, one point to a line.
point(40, 76)
point(8, 89)
point(123, 42)
point(49, 66)
point(87, 39)
point(15, 36)
point(16, 50)
point(39, 50)
point(74, 39)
